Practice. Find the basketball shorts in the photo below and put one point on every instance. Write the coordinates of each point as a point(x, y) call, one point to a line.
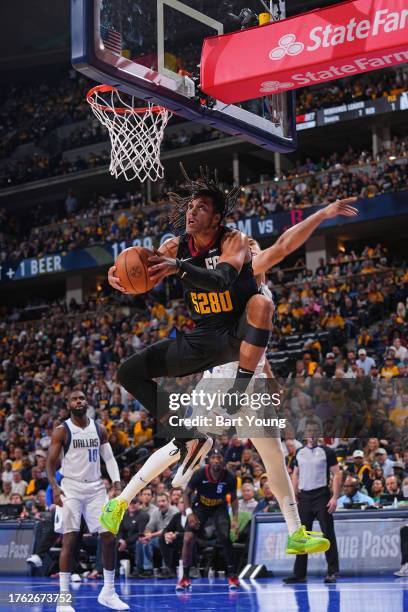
point(80, 499)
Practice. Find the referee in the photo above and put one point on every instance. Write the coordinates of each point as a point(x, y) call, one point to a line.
point(311, 478)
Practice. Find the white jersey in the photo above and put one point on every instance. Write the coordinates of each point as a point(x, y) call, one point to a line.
point(80, 456)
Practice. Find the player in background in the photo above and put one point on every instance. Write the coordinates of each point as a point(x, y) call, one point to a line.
point(269, 449)
point(78, 444)
point(210, 486)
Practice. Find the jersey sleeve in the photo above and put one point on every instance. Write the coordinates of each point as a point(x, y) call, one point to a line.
point(331, 457)
point(195, 480)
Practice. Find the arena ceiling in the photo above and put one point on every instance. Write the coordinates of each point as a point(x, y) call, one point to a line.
point(37, 32)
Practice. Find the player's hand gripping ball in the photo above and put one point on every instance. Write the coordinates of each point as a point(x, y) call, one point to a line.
point(130, 272)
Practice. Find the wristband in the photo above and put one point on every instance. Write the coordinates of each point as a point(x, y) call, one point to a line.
point(188, 511)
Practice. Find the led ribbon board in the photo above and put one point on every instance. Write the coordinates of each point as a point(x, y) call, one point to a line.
point(336, 42)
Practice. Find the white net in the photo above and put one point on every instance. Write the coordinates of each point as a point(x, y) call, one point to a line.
point(136, 134)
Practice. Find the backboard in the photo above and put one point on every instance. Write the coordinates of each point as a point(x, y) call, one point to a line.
point(152, 48)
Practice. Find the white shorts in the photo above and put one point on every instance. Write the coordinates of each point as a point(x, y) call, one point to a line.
point(211, 382)
point(80, 499)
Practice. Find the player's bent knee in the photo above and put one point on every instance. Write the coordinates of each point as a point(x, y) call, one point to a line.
point(260, 307)
point(129, 369)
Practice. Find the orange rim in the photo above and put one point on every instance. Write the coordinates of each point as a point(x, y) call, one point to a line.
point(119, 109)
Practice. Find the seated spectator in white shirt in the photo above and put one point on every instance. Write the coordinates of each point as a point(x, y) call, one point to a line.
point(364, 362)
point(401, 352)
point(384, 462)
point(247, 503)
point(18, 485)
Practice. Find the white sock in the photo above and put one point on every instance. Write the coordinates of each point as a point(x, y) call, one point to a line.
point(153, 467)
point(64, 580)
point(271, 453)
point(109, 581)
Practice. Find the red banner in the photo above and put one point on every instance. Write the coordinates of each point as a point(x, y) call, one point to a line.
point(323, 45)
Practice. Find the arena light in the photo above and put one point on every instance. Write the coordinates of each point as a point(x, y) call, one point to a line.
point(323, 45)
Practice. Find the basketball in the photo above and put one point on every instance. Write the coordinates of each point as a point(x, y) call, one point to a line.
point(132, 269)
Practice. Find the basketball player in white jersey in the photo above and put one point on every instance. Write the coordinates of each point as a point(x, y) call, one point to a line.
point(270, 449)
point(78, 444)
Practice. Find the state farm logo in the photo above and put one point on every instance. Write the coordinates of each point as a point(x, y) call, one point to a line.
point(287, 46)
point(274, 86)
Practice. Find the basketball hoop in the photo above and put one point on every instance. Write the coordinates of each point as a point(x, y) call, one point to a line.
point(135, 133)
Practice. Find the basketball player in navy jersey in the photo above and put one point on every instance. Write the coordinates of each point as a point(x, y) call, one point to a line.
point(78, 444)
point(214, 264)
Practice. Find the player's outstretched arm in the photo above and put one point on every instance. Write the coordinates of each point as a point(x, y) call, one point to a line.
point(297, 235)
point(53, 459)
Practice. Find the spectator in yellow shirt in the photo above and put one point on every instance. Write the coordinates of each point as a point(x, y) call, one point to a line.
point(18, 460)
point(332, 320)
point(389, 369)
point(364, 339)
point(309, 365)
point(142, 432)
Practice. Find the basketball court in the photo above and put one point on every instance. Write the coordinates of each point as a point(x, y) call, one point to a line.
point(369, 594)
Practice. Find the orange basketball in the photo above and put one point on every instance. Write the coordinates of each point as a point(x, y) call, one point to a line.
point(132, 269)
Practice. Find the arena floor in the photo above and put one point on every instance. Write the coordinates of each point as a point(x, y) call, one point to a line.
point(369, 594)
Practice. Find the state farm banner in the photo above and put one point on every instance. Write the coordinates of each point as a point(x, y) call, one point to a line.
point(345, 39)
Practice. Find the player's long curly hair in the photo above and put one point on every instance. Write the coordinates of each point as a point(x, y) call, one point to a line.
point(206, 185)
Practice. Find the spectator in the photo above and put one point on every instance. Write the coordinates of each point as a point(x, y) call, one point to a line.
point(131, 529)
point(37, 483)
point(18, 485)
point(171, 541)
point(268, 503)
point(364, 362)
point(247, 503)
point(7, 474)
point(352, 493)
point(146, 497)
point(377, 489)
point(234, 453)
point(393, 487)
point(384, 462)
point(362, 469)
point(5, 496)
point(159, 519)
point(142, 432)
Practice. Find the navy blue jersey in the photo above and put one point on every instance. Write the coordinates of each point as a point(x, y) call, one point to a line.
point(212, 493)
point(215, 307)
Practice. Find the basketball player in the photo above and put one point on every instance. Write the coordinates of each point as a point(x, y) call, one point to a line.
point(271, 453)
point(211, 485)
point(78, 445)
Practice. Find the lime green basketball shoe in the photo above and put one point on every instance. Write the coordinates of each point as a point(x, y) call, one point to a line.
point(112, 514)
point(304, 542)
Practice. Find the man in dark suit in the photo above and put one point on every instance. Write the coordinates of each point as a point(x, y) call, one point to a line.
point(171, 542)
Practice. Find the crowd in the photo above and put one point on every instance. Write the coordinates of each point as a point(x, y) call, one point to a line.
point(127, 217)
point(39, 109)
point(30, 112)
point(361, 363)
point(363, 87)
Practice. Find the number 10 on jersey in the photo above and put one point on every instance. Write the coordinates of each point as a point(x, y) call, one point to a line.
point(93, 454)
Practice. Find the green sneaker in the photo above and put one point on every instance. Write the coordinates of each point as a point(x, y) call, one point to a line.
point(304, 542)
point(112, 514)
